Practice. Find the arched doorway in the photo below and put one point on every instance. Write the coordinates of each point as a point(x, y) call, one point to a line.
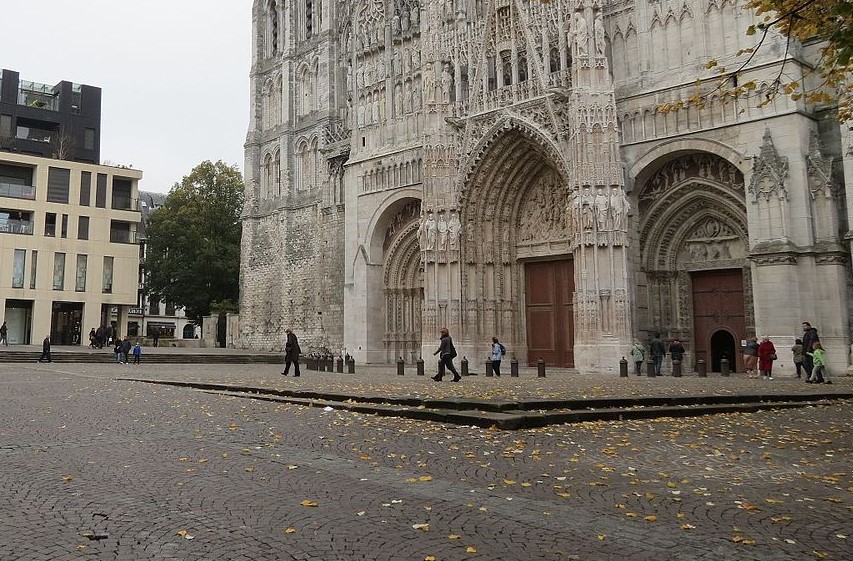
point(402, 284)
point(517, 272)
point(722, 346)
point(693, 276)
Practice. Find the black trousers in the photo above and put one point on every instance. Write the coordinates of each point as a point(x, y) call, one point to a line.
point(295, 364)
point(45, 355)
point(496, 367)
point(446, 362)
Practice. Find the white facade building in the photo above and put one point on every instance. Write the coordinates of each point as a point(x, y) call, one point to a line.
point(502, 168)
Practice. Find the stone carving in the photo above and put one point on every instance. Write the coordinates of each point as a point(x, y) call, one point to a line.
point(454, 231)
point(429, 83)
point(426, 233)
point(446, 83)
point(819, 169)
point(619, 207)
point(587, 209)
point(405, 216)
point(769, 172)
point(543, 216)
point(602, 210)
point(581, 34)
point(598, 32)
point(442, 233)
point(687, 169)
point(398, 100)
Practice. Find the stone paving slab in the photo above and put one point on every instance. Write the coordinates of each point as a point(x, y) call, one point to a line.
point(81, 451)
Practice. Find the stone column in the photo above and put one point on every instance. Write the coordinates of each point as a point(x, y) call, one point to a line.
point(598, 201)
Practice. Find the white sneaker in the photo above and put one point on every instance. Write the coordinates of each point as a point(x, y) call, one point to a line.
point(770, 377)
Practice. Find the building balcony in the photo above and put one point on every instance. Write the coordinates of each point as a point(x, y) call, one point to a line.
point(17, 190)
point(124, 203)
point(122, 236)
point(17, 227)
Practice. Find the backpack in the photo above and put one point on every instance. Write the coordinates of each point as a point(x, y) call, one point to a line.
point(503, 349)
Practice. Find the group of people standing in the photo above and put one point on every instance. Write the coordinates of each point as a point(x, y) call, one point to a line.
point(758, 357)
point(123, 349)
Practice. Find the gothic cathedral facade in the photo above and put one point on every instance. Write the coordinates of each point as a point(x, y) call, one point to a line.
point(505, 168)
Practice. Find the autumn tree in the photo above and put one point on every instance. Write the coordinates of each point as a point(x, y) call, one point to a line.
point(827, 25)
point(193, 255)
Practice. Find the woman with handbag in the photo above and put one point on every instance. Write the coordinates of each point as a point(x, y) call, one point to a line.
point(766, 356)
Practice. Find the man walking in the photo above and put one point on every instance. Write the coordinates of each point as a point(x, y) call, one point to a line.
point(45, 350)
point(291, 353)
point(4, 334)
point(446, 353)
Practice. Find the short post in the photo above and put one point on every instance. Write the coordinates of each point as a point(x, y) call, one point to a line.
point(464, 366)
point(339, 365)
point(490, 369)
point(401, 366)
point(513, 367)
point(676, 369)
point(540, 368)
point(351, 365)
point(724, 367)
point(420, 364)
point(650, 368)
point(702, 368)
point(330, 363)
point(623, 368)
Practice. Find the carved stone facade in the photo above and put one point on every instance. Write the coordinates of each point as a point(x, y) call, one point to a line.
point(408, 160)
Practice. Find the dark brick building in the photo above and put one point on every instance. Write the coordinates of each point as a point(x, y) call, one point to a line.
point(61, 121)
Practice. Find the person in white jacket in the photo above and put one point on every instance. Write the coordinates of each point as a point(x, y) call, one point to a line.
point(498, 352)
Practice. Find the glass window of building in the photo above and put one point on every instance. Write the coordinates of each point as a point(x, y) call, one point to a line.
point(80, 284)
point(18, 268)
point(108, 274)
point(83, 228)
point(59, 271)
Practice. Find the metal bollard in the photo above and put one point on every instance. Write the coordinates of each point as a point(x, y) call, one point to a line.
point(513, 367)
point(464, 364)
point(724, 367)
point(702, 368)
point(540, 368)
point(490, 369)
point(401, 366)
point(351, 365)
point(420, 365)
point(650, 368)
point(676, 369)
point(339, 365)
point(623, 368)
point(330, 363)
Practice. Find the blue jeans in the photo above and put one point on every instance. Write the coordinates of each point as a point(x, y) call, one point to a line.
point(658, 361)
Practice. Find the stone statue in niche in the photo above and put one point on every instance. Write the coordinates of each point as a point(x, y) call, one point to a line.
point(429, 83)
point(446, 83)
point(426, 233)
point(395, 23)
point(416, 96)
point(416, 15)
point(380, 70)
point(442, 233)
point(396, 62)
point(598, 33)
point(618, 209)
point(407, 61)
point(602, 210)
point(581, 34)
point(405, 20)
point(587, 209)
point(398, 99)
point(454, 231)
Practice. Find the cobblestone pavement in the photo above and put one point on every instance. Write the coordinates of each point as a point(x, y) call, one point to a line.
point(94, 467)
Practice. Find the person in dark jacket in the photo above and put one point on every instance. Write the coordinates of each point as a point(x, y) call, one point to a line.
point(676, 351)
point(810, 337)
point(291, 353)
point(125, 350)
point(657, 351)
point(45, 350)
point(446, 353)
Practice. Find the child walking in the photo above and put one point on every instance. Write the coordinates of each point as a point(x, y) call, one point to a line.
point(819, 374)
point(137, 352)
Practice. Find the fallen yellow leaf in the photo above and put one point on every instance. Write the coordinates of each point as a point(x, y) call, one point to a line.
point(651, 518)
point(290, 530)
point(509, 481)
point(602, 537)
point(424, 527)
point(68, 478)
point(429, 558)
point(471, 549)
point(688, 527)
point(425, 478)
point(308, 502)
point(820, 554)
point(250, 469)
point(453, 537)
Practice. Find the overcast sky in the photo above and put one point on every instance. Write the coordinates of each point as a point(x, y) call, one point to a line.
point(174, 74)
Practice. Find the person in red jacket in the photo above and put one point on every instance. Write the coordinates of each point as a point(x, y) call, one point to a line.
point(766, 356)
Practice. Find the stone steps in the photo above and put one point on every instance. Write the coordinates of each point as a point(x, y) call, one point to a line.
point(147, 358)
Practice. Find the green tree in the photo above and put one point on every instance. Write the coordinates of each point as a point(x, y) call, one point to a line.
point(194, 240)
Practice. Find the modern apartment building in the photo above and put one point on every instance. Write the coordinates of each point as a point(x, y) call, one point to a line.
point(62, 121)
point(69, 258)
